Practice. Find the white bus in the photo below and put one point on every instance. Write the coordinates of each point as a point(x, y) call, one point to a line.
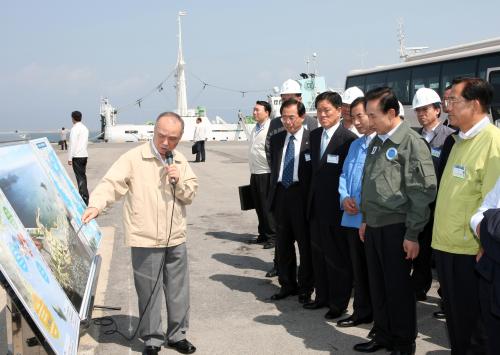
point(435, 70)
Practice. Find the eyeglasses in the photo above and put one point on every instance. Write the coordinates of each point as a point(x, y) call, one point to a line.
point(288, 119)
point(325, 111)
point(452, 100)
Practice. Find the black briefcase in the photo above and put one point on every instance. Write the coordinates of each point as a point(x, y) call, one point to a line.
point(246, 199)
point(194, 148)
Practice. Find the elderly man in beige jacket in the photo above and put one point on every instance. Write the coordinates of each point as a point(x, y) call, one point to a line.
point(156, 193)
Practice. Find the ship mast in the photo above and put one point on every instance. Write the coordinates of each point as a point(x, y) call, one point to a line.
point(181, 77)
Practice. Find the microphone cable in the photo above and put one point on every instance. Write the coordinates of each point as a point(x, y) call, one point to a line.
point(109, 321)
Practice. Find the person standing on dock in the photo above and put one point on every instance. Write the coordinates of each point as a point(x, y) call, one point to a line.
point(64, 139)
point(200, 136)
point(157, 183)
point(77, 153)
point(260, 174)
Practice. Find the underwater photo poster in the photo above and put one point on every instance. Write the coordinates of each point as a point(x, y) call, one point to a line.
point(32, 195)
point(34, 285)
point(67, 191)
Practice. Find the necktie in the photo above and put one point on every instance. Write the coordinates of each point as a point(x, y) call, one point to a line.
point(287, 177)
point(324, 142)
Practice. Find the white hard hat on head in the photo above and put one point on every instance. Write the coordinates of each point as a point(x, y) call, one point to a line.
point(351, 94)
point(424, 97)
point(401, 109)
point(290, 86)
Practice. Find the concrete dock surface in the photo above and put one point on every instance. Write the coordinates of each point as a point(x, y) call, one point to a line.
point(231, 312)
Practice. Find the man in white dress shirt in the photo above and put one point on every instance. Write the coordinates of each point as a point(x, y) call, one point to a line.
point(77, 153)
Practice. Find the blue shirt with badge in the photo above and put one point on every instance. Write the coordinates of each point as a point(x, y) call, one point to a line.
point(351, 179)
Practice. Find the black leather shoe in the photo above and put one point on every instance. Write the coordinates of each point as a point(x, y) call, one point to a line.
point(353, 321)
point(151, 350)
point(313, 305)
point(369, 347)
point(272, 273)
point(304, 298)
point(258, 240)
point(283, 294)
point(420, 296)
point(268, 245)
point(183, 346)
point(333, 313)
point(371, 334)
point(439, 315)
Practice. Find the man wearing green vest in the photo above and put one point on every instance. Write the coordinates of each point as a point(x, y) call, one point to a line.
point(470, 173)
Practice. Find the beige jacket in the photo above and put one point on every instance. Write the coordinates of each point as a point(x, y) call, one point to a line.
point(141, 178)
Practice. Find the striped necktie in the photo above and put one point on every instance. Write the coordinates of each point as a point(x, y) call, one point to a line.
point(287, 177)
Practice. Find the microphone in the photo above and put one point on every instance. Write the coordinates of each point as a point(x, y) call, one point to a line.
point(170, 160)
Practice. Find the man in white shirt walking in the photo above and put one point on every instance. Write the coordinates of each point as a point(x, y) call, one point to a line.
point(77, 153)
point(200, 136)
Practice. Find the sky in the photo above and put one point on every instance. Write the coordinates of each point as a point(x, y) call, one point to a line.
point(60, 56)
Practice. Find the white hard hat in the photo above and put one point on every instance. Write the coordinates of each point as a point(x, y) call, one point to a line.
point(290, 86)
point(351, 94)
point(424, 97)
point(401, 109)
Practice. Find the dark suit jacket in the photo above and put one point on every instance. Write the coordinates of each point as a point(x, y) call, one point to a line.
point(437, 142)
point(489, 265)
point(276, 126)
point(324, 198)
point(276, 147)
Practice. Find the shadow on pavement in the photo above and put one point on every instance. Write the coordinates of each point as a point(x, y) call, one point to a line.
point(243, 261)
point(235, 237)
point(104, 334)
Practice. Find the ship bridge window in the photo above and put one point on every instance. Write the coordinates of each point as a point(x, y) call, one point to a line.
point(426, 76)
point(358, 81)
point(132, 132)
point(490, 61)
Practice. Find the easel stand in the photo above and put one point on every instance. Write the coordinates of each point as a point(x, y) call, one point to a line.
point(20, 337)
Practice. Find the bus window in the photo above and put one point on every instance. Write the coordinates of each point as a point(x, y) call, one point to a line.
point(488, 61)
point(457, 68)
point(399, 82)
point(426, 76)
point(358, 81)
point(375, 80)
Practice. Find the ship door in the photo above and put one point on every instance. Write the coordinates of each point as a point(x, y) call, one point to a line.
point(493, 77)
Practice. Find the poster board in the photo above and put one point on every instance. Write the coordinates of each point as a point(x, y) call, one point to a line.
point(48, 220)
point(34, 285)
point(67, 191)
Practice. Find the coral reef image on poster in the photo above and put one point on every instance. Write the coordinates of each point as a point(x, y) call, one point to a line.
point(68, 192)
point(45, 217)
point(23, 267)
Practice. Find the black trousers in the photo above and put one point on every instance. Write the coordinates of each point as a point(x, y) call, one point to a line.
point(80, 169)
point(259, 184)
point(490, 320)
point(332, 264)
point(422, 273)
point(460, 289)
point(200, 155)
point(292, 227)
point(362, 303)
point(391, 289)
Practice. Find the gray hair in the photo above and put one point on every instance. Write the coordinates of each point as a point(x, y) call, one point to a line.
point(173, 115)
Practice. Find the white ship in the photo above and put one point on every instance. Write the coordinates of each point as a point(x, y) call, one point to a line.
point(218, 129)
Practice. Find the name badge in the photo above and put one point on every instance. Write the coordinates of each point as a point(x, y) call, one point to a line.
point(332, 159)
point(307, 156)
point(391, 153)
point(435, 152)
point(459, 171)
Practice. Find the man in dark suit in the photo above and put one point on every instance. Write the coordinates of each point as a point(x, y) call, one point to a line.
point(288, 191)
point(330, 250)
